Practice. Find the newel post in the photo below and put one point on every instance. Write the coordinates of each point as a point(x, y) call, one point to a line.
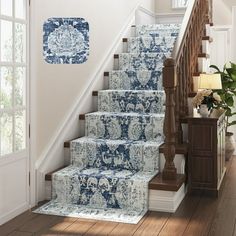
point(169, 84)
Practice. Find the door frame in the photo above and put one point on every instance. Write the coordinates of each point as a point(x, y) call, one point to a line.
point(14, 157)
point(32, 113)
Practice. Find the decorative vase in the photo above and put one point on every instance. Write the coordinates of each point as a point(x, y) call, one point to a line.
point(229, 145)
point(203, 110)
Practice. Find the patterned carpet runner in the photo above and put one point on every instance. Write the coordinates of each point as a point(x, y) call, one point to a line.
point(112, 165)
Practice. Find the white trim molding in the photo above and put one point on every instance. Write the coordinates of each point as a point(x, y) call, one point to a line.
point(221, 45)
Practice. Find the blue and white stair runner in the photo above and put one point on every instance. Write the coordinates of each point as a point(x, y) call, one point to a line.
point(112, 165)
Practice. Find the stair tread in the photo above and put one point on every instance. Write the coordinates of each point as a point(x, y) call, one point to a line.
point(48, 176)
point(71, 171)
point(67, 144)
point(139, 79)
point(117, 141)
point(124, 114)
point(203, 55)
point(150, 37)
point(157, 183)
point(138, 54)
point(131, 91)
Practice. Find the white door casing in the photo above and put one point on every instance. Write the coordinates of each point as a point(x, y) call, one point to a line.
point(14, 112)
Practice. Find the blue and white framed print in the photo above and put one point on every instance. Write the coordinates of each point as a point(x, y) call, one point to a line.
point(66, 40)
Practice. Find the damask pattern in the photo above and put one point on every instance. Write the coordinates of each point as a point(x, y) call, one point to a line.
point(66, 40)
point(163, 30)
point(151, 44)
point(150, 101)
point(101, 188)
point(142, 61)
point(115, 154)
point(112, 165)
point(55, 207)
point(125, 126)
point(135, 80)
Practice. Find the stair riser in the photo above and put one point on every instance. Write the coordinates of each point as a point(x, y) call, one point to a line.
point(137, 61)
point(100, 191)
point(203, 65)
point(115, 155)
point(205, 47)
point(166, 30)
point(125, 127)
point(150, 44)
point(127, 101)
point(135, 80)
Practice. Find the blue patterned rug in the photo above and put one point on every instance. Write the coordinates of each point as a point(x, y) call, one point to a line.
point(112, 165)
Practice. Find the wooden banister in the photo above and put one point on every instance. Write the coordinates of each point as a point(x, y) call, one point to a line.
point(177, 77)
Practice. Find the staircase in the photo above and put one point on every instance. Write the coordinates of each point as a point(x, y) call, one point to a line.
point(112, 165)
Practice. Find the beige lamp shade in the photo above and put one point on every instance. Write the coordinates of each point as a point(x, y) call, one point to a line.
point(210, 81)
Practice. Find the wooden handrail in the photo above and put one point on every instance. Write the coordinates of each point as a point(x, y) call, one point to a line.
point(177, 77)
point(183, 30)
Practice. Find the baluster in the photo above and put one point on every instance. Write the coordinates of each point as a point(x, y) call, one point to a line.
point(178, 98)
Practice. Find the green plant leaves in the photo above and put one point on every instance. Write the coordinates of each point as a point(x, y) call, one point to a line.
point(228, 91)
point(215, 67)
point(232, 123)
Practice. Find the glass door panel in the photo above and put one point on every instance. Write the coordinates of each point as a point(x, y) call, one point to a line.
point(6, 41)
point(13, 76)
point(6, 7)
point(20, 9)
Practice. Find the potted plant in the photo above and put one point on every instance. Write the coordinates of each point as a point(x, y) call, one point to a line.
point(227, 94)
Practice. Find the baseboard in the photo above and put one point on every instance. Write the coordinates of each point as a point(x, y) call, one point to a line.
point(10, 215)
point(166, 201)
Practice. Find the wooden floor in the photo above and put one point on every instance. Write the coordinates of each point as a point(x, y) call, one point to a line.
point(197, 215)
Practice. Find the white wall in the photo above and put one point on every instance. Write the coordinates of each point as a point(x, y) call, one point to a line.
point(233, 51)
point(224, 19)
point(165, 6)
point(222, 11)
point(57, 87)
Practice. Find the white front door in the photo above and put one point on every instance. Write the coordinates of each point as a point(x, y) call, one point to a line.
point(14, 103)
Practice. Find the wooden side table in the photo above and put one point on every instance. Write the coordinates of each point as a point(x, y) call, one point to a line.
point(206, 138)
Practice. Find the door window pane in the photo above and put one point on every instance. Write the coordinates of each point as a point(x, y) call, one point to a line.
point(20, 43)
point(6, 134)
point(6, 87)
point(20, 130)
point(20, 9)
point(20, 86)
point(13, 76)
point(6, 41)
point(6, 7)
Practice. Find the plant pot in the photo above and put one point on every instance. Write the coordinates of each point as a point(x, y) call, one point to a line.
point(229, 145)
point(203, 110)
